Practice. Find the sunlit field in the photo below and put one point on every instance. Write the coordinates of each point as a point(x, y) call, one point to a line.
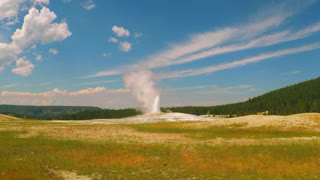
point(222, 149)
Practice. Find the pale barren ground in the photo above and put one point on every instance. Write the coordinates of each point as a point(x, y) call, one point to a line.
point(120, 130)
point(306, 120)
point(174, 131)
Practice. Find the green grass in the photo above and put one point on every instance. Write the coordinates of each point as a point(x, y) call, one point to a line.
point(225, 131)
point(32, 158)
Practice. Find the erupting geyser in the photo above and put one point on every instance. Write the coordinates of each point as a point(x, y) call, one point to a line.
point(156, 105)
point(142, 86)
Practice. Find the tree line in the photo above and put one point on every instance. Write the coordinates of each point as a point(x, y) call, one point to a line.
point(299, 98)
point(42, 112)
point(100, 114)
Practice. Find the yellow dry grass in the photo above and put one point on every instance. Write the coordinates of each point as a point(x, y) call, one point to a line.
point(260, 163)
point(119, 133)
point(305, 120)
point(4, 117)
point(124, 147)
point(127, 134)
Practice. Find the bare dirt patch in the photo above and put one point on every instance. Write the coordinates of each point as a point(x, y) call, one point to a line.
point(69, 175)
point(147, 118)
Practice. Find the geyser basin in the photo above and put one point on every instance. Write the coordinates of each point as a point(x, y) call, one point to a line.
point(148, 118)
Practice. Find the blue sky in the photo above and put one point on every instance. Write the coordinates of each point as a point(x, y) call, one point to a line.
point(75, 52)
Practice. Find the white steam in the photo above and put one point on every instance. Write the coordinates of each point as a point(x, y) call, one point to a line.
point(142, 86)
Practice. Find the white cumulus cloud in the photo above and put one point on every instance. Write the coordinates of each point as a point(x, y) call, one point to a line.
point(120, 31)
point(39, 58)
point(53, 51)
point(125, 46)
point(9, 8)
point(38, 27)
point(24, 67)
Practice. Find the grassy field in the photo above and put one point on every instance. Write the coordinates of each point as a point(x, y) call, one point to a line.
point(31, 149)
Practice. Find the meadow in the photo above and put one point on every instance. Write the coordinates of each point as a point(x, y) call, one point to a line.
point(226, 149)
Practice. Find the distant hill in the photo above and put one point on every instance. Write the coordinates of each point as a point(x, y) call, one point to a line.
point(100, 114)
point(6, 117)
point(299, 98)
point(43, 112)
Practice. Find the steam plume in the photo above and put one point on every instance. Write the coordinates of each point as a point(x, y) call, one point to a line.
point(142, 86)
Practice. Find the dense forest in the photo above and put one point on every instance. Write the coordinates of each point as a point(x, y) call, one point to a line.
point(299, 98)
point(42, 112)
point(100, 114)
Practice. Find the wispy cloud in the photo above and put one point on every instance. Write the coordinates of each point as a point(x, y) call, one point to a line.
point(106, 54)
point(188, 88)
point(290, 73)
point(136, 35)
point(99, 82)
point(251, 35)
point(41, 2)
point(261, 57)
point(55, 92)
point(228, 90)
point(214, 89)
point(267, 40)
point(7, 86)
point(98, 96)
point(113, 40)
point(272, 18)
point(207, 40)
point(104, 73)
point(88, 5)
point(193, 72)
